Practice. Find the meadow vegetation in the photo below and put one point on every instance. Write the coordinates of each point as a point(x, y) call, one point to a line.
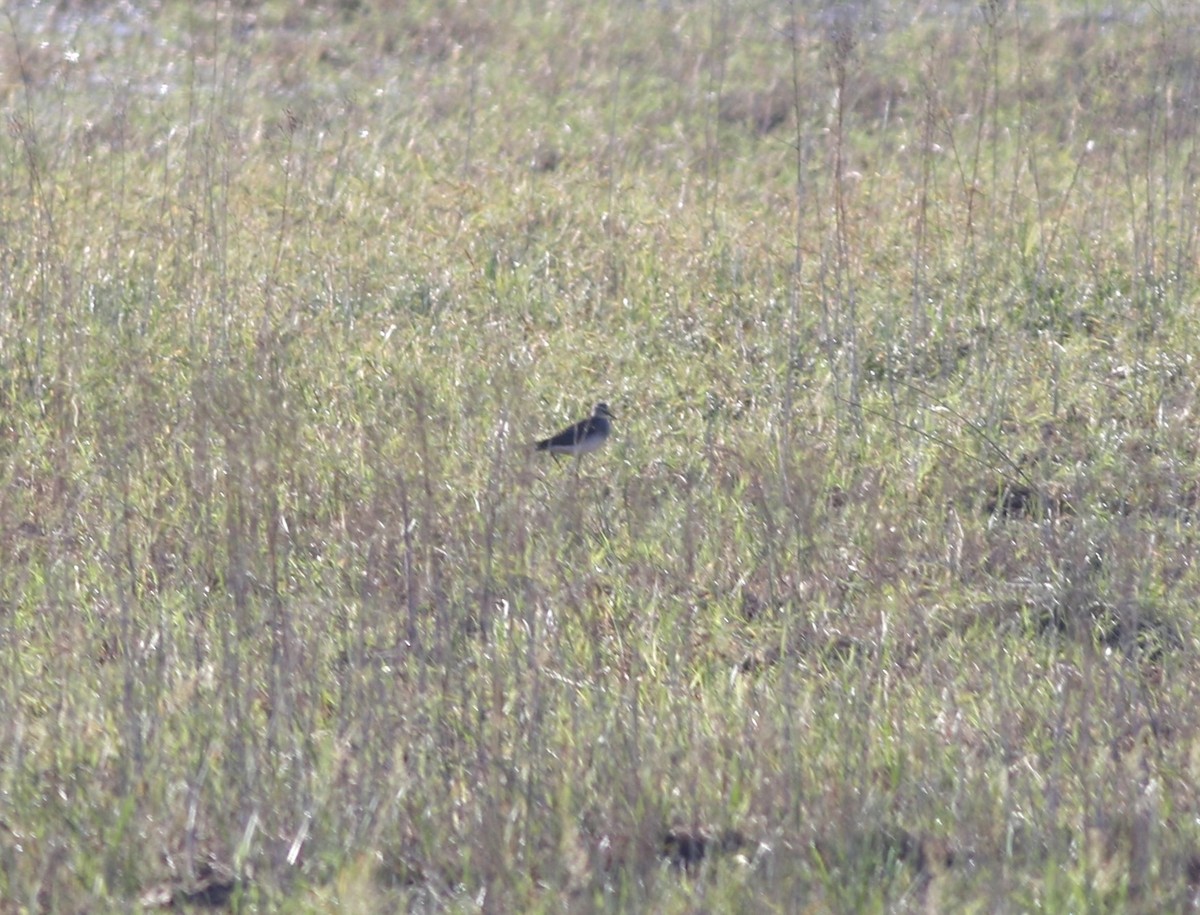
point(883, 597)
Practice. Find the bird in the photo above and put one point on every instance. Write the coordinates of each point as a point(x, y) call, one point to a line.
point(584, 436)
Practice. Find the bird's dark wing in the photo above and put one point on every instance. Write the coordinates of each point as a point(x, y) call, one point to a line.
point(569, 436)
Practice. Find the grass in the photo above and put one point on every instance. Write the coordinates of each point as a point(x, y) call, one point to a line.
point(881, 598)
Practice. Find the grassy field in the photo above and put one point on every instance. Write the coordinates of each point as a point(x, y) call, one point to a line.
point(883, 597)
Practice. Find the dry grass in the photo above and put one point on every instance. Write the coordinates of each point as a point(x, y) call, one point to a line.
point(882, 598)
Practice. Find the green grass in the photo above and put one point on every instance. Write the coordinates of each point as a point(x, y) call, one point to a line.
point(882, 598)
